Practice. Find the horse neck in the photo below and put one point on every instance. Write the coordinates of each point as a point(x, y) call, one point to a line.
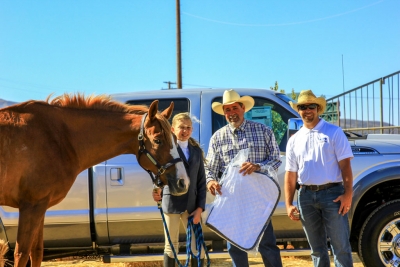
point(98, 136)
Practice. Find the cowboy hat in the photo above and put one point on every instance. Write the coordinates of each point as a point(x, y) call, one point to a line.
point(308, 97)
point(231, 96)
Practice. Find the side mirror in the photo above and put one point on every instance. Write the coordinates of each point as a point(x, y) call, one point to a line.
point(294, 124)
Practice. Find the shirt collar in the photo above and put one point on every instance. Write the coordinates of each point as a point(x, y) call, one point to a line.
point(240, 128)
point(183, 144)
point(315, 129)
point(319, 125)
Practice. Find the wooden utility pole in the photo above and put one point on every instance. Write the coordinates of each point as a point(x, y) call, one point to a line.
point(178, 45)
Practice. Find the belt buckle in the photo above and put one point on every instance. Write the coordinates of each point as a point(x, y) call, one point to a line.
point(317, 188)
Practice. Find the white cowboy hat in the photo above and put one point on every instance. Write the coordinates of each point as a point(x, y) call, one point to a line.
point(231, 96)
point(308, 97)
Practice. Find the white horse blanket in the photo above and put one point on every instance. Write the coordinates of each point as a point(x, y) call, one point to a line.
point(243, 211)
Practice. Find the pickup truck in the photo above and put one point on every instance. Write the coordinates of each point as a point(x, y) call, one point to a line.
point(109, 210)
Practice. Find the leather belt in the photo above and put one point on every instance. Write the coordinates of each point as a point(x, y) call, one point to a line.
point(319, 187)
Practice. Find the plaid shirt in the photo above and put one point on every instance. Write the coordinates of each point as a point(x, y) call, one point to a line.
point(227, 141)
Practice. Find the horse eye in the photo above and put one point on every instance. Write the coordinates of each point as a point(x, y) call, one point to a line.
point(157, 141)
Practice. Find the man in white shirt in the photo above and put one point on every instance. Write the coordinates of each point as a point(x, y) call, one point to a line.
point(318, 159)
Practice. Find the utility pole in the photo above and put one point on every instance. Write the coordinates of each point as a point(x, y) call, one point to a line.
point(169, 84)
point(178, 45)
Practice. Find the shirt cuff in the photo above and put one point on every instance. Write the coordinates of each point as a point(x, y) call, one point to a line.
point(209, 180)
point(260, 165)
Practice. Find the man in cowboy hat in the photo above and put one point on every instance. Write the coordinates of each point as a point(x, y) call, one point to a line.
point(318, 159)
point(221, 151)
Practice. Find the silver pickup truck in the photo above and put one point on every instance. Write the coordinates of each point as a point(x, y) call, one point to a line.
point(110, 211)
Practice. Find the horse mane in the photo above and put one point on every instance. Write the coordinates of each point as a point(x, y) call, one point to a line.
point(99, 102)
point(105, 102)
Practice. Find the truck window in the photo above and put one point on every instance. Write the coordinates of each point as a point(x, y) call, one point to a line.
point(264, 111)
point(180, 105)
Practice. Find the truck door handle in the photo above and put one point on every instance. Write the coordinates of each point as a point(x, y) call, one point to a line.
point(116, 176)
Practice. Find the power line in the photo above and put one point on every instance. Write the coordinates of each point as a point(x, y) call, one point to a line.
point(283, 24)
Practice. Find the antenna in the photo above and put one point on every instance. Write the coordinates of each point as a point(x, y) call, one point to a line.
point(343, 73)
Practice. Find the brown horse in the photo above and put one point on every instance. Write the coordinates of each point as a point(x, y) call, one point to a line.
point(45, 145)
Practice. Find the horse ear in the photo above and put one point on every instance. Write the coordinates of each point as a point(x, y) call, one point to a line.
point(153, 109)
point(168, 111)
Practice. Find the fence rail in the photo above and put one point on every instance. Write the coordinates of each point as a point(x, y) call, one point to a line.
point(369, 108)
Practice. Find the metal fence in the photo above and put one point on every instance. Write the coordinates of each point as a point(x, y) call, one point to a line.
point(369, 108)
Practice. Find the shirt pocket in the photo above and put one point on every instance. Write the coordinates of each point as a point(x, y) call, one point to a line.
point(228, 152)
point(257, 151)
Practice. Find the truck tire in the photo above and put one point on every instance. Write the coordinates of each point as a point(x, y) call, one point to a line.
point(379, 241)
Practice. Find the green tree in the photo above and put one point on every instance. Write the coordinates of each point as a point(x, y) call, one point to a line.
point(293, 95)
point(278, 125)
point(276, 87)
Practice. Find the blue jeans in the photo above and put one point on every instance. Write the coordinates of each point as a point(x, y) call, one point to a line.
point(321, 219)
point(270, 253)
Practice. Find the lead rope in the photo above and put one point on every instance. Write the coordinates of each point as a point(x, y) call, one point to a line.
point(198, 233)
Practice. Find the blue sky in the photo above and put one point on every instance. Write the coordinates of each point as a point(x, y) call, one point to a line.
point(105, 47)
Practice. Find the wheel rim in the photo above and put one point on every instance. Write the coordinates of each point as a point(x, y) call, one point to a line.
point(389, 243)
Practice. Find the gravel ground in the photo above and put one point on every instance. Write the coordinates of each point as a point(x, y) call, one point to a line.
point(302, 261)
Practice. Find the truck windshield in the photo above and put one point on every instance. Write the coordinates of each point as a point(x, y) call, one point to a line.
point(285, 98)
point(266, 112)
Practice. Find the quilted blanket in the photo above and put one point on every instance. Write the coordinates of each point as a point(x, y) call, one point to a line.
point(243, 211)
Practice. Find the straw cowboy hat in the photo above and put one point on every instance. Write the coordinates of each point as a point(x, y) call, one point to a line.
point(308, 97)
point(231, 96)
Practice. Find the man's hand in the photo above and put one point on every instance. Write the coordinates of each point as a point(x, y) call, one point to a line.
point(347, 197)
point(157, 194)
point(345, 203)
point(213, 186)
point(249, 168)
point(293, 213)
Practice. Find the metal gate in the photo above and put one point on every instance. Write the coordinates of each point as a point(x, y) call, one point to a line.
point(369, 108)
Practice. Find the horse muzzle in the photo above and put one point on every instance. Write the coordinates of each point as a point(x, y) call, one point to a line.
point(178, 186)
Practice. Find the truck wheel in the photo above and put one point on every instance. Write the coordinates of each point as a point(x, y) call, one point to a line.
point(379, 242)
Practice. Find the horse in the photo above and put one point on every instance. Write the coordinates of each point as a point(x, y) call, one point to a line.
point(44, 145)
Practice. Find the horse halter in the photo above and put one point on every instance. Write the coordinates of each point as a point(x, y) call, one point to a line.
point(142, 150)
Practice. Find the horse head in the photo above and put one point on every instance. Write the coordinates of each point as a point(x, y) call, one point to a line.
point(157, 142)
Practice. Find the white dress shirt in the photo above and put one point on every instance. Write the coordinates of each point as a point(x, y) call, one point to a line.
point(184, 146)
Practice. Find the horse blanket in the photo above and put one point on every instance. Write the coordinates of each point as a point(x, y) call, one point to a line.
point(243, 211)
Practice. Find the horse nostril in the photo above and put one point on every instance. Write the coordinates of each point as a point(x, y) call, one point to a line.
point(181, 183)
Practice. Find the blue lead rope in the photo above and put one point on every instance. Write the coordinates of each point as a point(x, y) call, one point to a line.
point(198, 234)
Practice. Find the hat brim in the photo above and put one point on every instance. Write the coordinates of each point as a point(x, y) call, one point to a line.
point(320, 101)
point(247, 101)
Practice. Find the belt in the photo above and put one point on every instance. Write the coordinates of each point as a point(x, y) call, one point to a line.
point(319, 187)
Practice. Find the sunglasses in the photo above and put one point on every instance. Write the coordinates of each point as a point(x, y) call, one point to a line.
point(304, 107)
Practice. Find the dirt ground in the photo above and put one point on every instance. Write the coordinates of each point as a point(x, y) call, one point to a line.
point(302, 261)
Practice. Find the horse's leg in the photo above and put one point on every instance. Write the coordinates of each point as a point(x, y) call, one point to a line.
point(30, 220)
point(37, 246)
